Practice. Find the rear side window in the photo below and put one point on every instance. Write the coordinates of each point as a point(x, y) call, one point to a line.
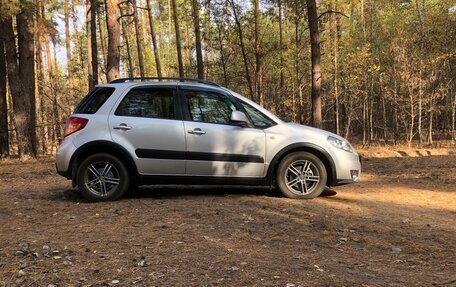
point(94, 100)
point(148, 103)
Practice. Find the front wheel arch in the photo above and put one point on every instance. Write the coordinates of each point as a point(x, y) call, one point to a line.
point(316, 150)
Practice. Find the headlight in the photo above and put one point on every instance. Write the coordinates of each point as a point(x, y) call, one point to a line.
point(341, 144)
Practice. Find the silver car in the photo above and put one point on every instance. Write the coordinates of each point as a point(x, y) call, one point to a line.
point(185, 131)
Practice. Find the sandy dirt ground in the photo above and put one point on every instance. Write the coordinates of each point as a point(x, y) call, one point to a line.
point(395, 228)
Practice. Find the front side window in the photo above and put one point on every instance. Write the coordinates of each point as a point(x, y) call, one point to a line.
point(258, 118)
point(209, 107)
point(148, 103)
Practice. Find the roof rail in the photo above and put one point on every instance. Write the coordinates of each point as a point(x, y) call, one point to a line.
point(123, 80)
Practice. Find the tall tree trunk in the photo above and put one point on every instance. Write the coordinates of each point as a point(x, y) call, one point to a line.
point(412, 119)
point(199, 52)
point(68, 40)
point(431, 117)
point(334, 35)
point(316, 66)
point(92, 50)
point(364, 119)
point(244, 53)
point(4, 139)
point(40, 81)
point(453, 118)
point(178, 40)
point(93, 39)
point(421, 66)
point(75, 32)
point(297, 92)
point(24, 107)
point(139, 40)
point(113, 27)
point(281, 50)
point(55, 99)
point(154, 40)
point(228, 17)
point(188, 56)
point(170, 33)
point(206, 35)
point(222, 55)
point(127, 44)
point(102, 38)
point(258, 66)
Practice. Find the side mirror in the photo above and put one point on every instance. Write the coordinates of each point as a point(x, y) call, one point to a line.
point(239, 118)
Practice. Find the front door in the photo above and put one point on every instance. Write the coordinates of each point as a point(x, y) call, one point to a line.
point(146, 124)
point(216, 146)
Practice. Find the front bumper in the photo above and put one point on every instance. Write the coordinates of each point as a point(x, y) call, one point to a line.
point(348, 167)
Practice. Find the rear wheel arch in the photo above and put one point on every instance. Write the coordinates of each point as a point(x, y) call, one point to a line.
point(108, 147)
point(305, 147)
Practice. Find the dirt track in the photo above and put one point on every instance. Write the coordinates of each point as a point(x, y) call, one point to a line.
point(395, 228)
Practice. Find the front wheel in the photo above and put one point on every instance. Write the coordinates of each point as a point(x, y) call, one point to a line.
point(102, 177)
point(301, 175)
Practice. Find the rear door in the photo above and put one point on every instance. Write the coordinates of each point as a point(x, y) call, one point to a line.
point(148, 123)
point(216, 146)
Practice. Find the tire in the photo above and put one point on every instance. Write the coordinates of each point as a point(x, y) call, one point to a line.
point(293, 182)
point(102, 177)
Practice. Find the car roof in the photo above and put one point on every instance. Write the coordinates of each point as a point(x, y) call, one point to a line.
point(162, 83)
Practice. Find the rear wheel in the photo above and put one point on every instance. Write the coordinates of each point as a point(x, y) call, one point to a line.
point(102, 177)
point(301, 175)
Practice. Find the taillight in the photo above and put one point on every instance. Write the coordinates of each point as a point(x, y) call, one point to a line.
point(74, 124)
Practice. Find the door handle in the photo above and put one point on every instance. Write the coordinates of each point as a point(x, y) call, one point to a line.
point(123, 127)
point(196, 131)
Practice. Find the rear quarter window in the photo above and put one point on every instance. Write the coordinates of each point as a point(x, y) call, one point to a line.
point(94, 100)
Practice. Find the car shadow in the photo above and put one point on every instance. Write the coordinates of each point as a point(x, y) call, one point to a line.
point(183, 191)
point(175, 191)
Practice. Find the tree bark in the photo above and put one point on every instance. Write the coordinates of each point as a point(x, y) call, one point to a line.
point(75, 32)
point(24, 107)
point(127, 44)
point(282, 80)
point(139, 40)
point(334, 35)
point(4, 138)
point(244, 53)
point(199, 52)
point(68, 40)
point(102, 38)
point(316, 66)
point(178, 40)
point(154, 40)
point(188, 56)
point(223, 58)
point(92, 52)
point(113, 27)
point(453, 118)
point(40, 80)
point(258, 66)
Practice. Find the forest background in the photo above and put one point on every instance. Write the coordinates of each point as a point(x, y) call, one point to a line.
point(373, 71)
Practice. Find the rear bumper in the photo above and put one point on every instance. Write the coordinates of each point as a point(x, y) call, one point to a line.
point(63, 157)
point(62, 173)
